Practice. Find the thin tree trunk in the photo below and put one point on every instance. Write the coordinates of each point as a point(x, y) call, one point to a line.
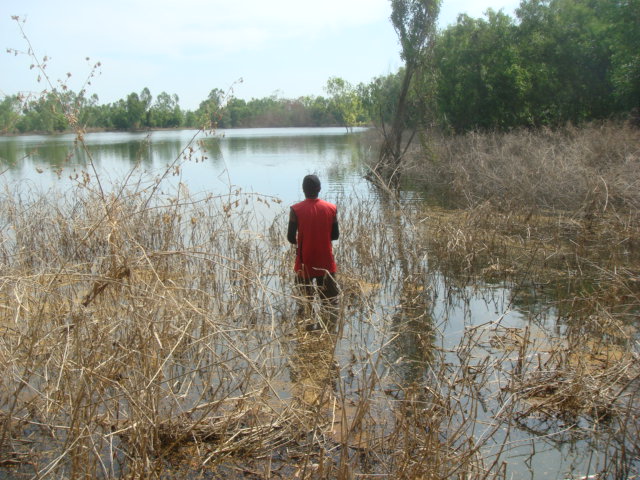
point(391, 151)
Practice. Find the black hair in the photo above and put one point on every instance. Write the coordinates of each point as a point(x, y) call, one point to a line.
point(311, 186)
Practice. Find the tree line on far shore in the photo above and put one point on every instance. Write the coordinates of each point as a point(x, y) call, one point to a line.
point(557, 61)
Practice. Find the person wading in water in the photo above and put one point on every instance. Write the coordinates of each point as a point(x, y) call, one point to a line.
point(313, 225)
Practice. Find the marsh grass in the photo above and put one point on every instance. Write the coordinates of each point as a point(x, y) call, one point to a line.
point(554, 210)
point(585, 170)
point(555, 216)
point(160, 341)
point(151, 340)
point(150, 335)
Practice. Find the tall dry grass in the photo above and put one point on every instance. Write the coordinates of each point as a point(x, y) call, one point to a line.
point(554, 215)
point(587, 170)
point(160, 339)
point(547, 204)
point(155, 336)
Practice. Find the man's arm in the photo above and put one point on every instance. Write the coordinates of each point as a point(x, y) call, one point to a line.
point(335, 230)
point(292, 228)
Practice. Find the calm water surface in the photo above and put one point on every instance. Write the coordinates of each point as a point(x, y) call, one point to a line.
point(270, 162)
point(267, 161)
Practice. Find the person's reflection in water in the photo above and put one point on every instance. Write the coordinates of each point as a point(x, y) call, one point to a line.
point(313, 369)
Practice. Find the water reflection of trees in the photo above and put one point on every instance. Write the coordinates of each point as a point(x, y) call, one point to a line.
point(9, 154)
point(412, 328)
point(52, 153)
point(58, 152)
point(269, 144)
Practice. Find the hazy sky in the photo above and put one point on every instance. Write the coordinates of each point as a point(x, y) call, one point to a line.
point(253, 48)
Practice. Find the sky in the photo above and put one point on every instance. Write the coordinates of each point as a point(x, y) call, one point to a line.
point(246, 48)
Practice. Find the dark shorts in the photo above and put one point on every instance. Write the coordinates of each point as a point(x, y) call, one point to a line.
point(325, 285)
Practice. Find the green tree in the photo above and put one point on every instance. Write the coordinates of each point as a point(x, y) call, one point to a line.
point(119, 117)
point(380, 100)
point(239, 113)
point(44, 114)
point(265, 111)
point(89, 111)
point(146, 99)
point(345, 101)
point(623, 34)
point(135, 111)
point(165, 112)
point(482, 82)
point(415, 24)
point(210, 110)
point(9, 114)
point(565, 47)
point(319, 110)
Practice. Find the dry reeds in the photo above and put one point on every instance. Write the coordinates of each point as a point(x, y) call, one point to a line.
point(554, 215)
point(585, 170)
point(157, 338)
point(140, 337)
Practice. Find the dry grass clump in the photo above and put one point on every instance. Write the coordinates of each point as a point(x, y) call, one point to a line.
point(498, 245)
point(119, 319)
point(567, 377)
point(538, 205)
point(578, 388)
point(564, 386)
point(159, 339)
point(585, 170)
point(554, 216)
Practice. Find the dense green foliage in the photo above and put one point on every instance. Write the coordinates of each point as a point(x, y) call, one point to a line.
point(52, 112)
point(558, 61)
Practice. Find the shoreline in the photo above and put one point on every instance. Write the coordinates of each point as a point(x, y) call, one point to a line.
point(159, 129)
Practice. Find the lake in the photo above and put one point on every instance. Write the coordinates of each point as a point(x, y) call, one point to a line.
point(268, 161)
point(272, 163)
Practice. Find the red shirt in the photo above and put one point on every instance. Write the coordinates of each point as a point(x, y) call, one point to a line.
point(315, 219)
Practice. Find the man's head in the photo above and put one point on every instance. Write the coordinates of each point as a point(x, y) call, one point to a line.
point(311, 186)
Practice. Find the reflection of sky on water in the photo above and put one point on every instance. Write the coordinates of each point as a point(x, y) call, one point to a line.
point(267, 161)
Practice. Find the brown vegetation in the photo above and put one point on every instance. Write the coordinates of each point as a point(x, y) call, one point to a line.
point(156, 337)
